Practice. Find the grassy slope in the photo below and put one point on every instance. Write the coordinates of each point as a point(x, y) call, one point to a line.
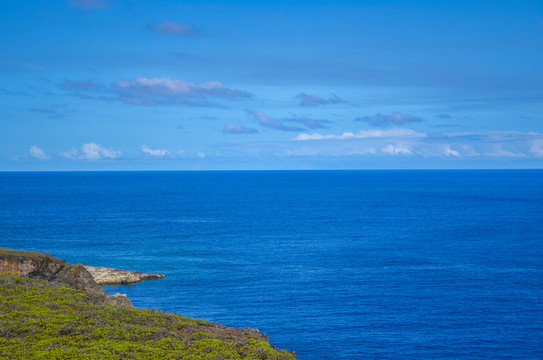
point(25, 254)
point(41, 321)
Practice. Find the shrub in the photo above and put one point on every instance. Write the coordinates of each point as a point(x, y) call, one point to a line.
point(43, 321)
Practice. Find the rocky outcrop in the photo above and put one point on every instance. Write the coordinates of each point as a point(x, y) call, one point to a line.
point(56, 271)
point(109, 276)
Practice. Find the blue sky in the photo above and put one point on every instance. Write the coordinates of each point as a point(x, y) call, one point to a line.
point(140, 85)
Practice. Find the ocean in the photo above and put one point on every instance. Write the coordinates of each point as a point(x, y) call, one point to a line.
point(330, 264)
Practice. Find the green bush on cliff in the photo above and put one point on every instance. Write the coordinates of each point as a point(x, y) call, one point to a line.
point(41, 321)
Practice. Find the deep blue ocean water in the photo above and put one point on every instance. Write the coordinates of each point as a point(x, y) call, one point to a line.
point(330, 264)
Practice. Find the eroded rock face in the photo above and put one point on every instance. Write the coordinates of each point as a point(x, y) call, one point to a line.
point(109, 276)
point(30, 264)
point(56, 271)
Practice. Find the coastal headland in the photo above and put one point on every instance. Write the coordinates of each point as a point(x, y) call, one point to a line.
point(52, 309)
point(57, 272)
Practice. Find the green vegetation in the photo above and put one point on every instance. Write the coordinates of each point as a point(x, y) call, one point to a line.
point(43, 321)
point(26, 254)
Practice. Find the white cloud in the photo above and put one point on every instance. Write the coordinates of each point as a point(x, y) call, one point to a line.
point(495, 144)
point(38, 153)
point(400, 141)
point(152, 91)
point(499, 151)
point(362, 134)
point(71, 154)
point(201, 155)
point(158, 153)
point(313, 136)
point(537, 148)
point(467, 150)
point(450, 152)
point(92, 152)
point(397, 149)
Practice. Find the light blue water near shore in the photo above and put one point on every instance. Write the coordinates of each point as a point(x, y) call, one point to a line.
point(333, 265)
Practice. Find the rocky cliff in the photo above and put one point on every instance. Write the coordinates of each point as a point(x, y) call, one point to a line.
point(140, 333)
point(56, 271)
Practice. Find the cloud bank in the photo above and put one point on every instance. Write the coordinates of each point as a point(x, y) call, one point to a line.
point(152, 91)
point(364, 134)
point(406, 142)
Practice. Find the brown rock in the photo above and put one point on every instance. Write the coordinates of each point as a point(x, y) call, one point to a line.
point(109, 276)
point(56, 271)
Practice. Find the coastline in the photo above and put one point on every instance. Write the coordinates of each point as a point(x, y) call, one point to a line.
point(61, 297)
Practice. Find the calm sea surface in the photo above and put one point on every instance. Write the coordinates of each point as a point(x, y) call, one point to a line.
point(333, 265)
